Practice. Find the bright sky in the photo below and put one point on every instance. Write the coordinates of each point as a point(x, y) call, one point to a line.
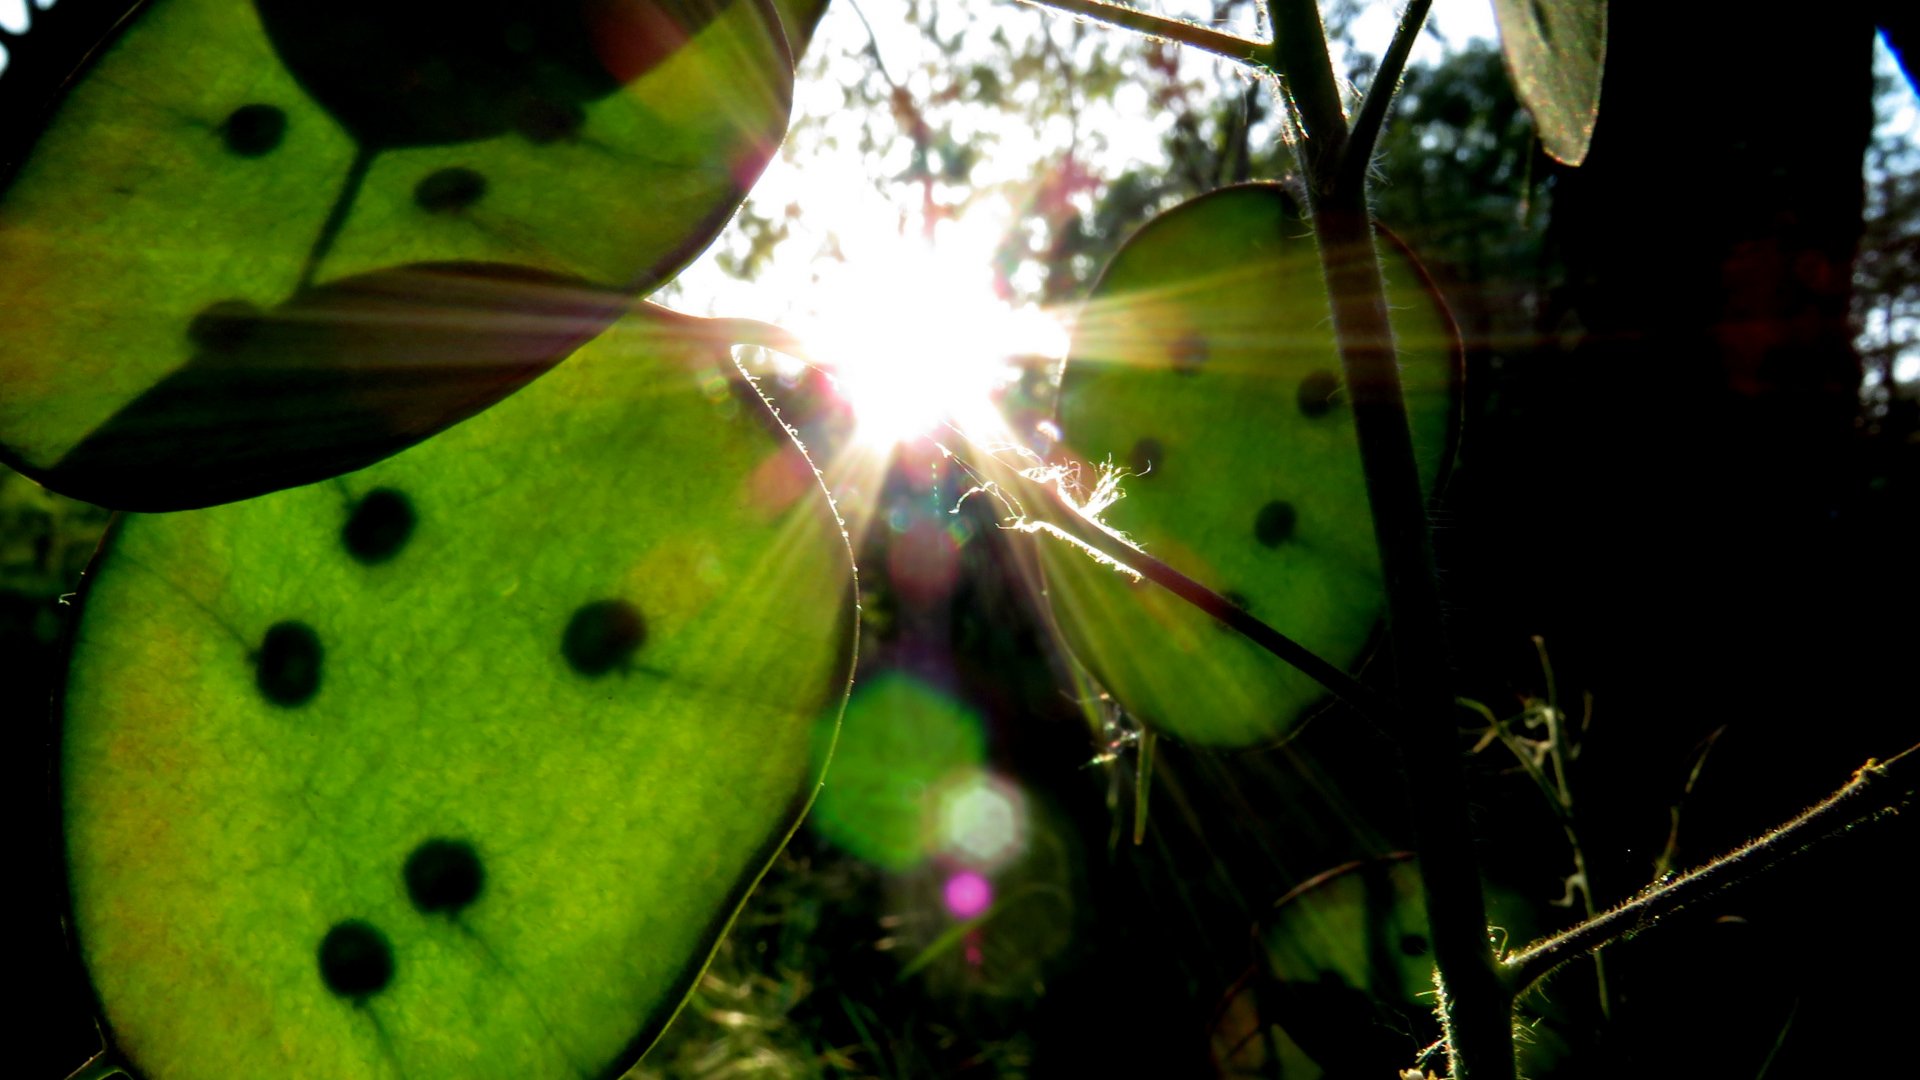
point(916, 329)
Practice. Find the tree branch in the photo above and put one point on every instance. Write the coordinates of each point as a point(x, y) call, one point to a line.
point(1257, 55)
point(1367, 123)
point(1878, 789)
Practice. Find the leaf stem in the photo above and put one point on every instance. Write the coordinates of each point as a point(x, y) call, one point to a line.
point(1854, 804)
point(1344, 687)
point(1372, 117)
point(992, 472)
point(1257, 55)
point(336, 220)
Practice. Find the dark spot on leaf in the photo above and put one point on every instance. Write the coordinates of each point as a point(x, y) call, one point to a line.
point(543, 122)
point(449, 190)
point(224, 326)
point(1316, 393)
point(1238, 600)
point(602, 635)
point(443, 876)
point(254, 130)
point(1273, 525)
point(1413, 945)
point(379, 527)
point(287, 667)
point(1189, 354)
point(1145, 456)
point(355, 959)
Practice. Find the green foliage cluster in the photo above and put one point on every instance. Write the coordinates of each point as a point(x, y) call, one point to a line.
point(495, 633)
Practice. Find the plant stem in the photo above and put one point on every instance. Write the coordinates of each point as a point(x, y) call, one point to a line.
point(1854, 804)
point(1306, 79)
point(1475, 1007)
point(1257, 55)
point(1367, 123)
point(1143, 784)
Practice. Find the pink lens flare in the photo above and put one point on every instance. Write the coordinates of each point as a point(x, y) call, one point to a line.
point(968, 894)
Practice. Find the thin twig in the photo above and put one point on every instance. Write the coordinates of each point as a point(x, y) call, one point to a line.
point(1667, 854)
point(1257, 55)
point(1504, 730)
point(873, 46)
point(1557, 754)
point(1850, 806)
point(100, 1066)
point(1358, 154)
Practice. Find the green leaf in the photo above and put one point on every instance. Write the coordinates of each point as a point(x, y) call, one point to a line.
point(801, 18)
point(459, 765)
point(1346, 982)
point(1349, 972)
point(1203, 367)
point(1556, 52)
point(220, 156)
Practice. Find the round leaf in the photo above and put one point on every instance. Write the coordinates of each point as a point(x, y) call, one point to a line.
point(457, 766)
point(1204, 366)
point(216, 155)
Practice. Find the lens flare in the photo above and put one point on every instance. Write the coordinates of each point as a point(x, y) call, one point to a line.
point(983, 822)
point(968, 894)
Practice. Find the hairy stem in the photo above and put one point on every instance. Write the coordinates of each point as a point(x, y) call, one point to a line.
point(1878, 789)
point(1306, 80)
point(1257, 55)
point(1367, 123)
point(1475, 1006)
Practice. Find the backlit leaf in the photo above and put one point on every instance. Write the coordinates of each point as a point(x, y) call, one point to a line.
point(1556, 51)
point(459, 765)
point(218, 156)
point(1204, 366)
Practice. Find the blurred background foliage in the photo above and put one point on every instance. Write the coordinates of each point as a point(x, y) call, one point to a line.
point(1690, 467)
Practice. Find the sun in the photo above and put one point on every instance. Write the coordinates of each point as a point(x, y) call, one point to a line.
point(914, 336)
